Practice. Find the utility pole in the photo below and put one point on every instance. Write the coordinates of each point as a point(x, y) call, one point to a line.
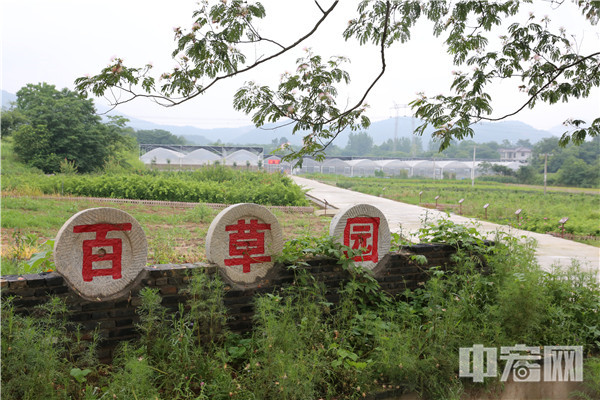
point(545, 169)
point(397, 107)
point(473, 168)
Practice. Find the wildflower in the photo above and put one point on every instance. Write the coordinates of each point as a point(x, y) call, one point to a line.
point(195, 26)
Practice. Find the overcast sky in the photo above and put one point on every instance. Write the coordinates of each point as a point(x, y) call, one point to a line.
point(56, 41)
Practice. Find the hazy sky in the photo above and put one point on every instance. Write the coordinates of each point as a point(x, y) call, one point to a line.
point(56, 41)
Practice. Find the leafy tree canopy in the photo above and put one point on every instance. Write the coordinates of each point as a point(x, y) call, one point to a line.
point(157, 136)
point(220, 44)
point(61, 127)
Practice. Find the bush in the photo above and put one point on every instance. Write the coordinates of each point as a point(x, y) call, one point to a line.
point(210, 185)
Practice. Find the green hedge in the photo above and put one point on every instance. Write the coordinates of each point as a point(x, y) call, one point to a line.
point(209, 185)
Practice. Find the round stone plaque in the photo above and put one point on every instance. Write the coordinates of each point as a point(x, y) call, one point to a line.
point(362, 226)
point(100, 252)
point(242, 240)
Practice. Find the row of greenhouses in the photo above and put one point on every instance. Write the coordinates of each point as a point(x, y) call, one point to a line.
point(161, 157)
point(435, 169)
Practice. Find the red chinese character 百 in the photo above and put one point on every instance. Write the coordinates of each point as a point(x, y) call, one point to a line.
point(363, 233)
point(100, 242)
point(247, 240)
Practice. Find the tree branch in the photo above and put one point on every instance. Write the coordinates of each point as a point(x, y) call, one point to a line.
point(320, 8)
point(383, 65)
point(179, 100)
point(560, 71)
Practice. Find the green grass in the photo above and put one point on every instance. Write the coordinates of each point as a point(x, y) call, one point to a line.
point(540, 213)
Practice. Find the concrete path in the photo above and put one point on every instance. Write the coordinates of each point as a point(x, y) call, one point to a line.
point(407, 219)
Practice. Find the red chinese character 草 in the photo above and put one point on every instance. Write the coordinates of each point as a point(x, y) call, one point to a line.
point(363, 233)
point(100, 242)
point(247, 241)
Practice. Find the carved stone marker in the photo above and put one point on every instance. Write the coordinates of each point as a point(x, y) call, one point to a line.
point(100, 252)
point(362, 226)
point(242, 241)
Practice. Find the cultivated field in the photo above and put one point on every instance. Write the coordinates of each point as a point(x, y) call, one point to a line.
point(540, 212)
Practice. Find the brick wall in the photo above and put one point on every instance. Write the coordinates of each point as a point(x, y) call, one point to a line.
point(116, 319)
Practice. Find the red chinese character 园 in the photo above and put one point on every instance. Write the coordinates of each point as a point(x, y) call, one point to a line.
point(363, 233)
point(247, 241)
point(101, 242)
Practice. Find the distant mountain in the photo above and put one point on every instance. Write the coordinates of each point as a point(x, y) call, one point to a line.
point(8, 98)
point(188, 132)
point(383, 130)
point(380, 131)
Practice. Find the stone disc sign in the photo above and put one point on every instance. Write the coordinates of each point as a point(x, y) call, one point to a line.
point(362, 226)
point(100, 252)
point(242, 240)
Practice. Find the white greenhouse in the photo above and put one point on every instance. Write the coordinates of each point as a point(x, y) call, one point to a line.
point(335, 166)
point(363, 167)
point(394, 167)
point(162, 157)
point(242, 158)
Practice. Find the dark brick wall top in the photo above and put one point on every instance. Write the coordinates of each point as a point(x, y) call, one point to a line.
point(116, 319)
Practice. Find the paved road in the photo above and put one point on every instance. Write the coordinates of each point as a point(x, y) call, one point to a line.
point(407, 219)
